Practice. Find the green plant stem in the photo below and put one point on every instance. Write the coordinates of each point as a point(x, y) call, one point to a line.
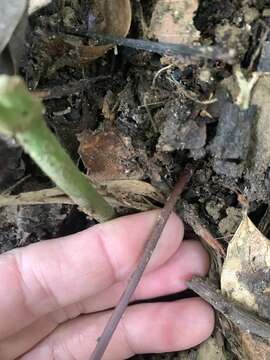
point(21, 116)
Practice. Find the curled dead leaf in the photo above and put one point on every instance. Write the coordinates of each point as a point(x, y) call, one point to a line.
point(104, 16)
point(107, 17)
point(134, 194)
point(245, 278)
point(172, 21)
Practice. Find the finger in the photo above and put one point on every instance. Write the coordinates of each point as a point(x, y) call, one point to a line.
point(52, 274)
point(15, 345)
point(145, 328)
point(191, 259)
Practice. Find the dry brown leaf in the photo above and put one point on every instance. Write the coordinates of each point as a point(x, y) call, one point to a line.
point(245, 278)
point(134, 194)
point(172, 21)
point(107, 17)
point(108, 155)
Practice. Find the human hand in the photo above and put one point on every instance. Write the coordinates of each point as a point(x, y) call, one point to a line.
point(55, 295)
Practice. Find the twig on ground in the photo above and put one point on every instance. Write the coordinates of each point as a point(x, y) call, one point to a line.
point(165, 49)
point(145, 97)
point(12, 187)
point(243, 319)
point(134, 279)
point(70, 88)
point(161, 71)
point(21, 117)
point(191, 218)
point(190, 95)
point(45, 196)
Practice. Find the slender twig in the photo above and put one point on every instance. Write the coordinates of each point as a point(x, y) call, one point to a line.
point(70, 88)
point(161, 48)
point(21, 117)
point(243, 319)
point(134, 279)
point(12, 187)
point(191, 217)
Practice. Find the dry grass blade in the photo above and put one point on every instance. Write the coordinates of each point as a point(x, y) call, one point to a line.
point(132, 194)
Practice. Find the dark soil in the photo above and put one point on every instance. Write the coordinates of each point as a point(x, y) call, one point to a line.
point(164, 136)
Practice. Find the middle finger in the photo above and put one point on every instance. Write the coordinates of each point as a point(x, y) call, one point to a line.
point(191, 259)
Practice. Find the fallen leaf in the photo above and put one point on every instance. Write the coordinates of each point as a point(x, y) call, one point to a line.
point(108, 155)
point(245, 279)
point(134, 194)
point(172, 21)
point(104, 17)
point(107, 17)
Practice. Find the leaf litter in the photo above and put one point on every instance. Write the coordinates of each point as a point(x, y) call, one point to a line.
point(135, 138)
point(245, 279)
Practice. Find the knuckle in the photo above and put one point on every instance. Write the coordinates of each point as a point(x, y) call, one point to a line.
point(35, 289)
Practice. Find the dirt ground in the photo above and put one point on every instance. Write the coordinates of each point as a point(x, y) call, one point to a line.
point(157, 123)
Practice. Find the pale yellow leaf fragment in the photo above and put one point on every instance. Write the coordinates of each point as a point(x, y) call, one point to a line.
point(210, 350)
point(245, 279)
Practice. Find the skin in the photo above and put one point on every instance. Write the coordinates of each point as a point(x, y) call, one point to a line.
point(56, 296)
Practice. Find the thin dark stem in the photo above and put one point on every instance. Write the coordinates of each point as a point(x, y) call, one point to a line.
point(134, 279)
point(169, 49)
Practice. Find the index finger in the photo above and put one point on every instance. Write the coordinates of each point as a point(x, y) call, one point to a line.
point(44, 277)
